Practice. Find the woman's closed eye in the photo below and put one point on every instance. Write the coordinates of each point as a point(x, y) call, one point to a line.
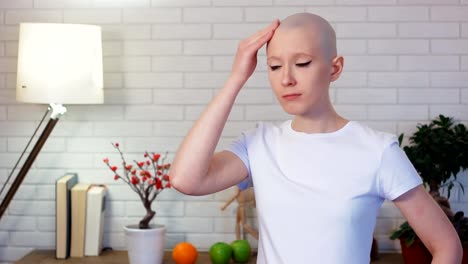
point(304, 64)
point(274, 67)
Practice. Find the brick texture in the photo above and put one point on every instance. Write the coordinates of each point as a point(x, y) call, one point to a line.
point(406, 61)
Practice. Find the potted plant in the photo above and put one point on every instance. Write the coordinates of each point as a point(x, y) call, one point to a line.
point(147, 178)
point(412, 248)
point(438, 151)
point(460, 222)
point(414, 251)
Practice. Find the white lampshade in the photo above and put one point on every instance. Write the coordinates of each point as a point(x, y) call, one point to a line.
point(59, 63)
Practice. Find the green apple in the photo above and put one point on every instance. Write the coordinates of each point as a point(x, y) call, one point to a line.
point(241, 251)
point(220, 253)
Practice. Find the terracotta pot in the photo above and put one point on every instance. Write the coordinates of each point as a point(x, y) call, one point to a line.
point(465, 255)
point(416, 253)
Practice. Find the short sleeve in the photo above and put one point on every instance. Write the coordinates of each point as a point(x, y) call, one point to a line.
point(239, 148)
point(396, 174)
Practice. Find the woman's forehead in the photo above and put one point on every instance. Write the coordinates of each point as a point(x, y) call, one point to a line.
point(293, 42)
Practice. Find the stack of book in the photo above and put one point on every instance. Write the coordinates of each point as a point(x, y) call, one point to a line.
point(80, 209)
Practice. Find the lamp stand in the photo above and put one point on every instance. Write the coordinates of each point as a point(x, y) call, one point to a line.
point(57, 111)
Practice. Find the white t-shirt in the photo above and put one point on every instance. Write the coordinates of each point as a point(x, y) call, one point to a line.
point(318, 195)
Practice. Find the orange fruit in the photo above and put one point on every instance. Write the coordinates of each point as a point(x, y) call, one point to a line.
point(184, 253)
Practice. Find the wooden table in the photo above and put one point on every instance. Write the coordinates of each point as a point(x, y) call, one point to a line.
point(120, 257)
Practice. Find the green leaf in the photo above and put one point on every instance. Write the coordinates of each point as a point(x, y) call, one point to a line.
point(438, 150)
point(410, 240)
point(400, 139)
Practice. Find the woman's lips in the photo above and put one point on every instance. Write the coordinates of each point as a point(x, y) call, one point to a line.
point(291, 96)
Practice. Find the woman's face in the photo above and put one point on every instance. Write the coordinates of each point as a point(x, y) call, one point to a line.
point(299, 70)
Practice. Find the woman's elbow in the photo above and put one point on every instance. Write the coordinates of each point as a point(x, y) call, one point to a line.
point(458, 251)
point(457, 248)
point(184, 184)
point(180, 185)
point(451, 252)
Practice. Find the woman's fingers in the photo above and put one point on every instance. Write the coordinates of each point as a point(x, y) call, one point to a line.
point(261, 33)
point(254, 43)
point(245, 60)
point(261, 40)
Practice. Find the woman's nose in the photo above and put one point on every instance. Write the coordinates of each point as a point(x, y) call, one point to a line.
point(288, 78)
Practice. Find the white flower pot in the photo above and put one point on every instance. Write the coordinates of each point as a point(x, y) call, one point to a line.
point(145, 246)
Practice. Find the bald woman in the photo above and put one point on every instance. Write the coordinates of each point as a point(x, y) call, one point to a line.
point(320, 179)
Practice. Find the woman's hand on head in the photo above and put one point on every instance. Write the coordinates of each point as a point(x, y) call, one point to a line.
point(245, 60)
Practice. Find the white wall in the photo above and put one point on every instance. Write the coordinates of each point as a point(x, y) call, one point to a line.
point(406, 61)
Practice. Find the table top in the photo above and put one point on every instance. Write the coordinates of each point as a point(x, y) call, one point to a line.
point(121, 257)
point(106, 257)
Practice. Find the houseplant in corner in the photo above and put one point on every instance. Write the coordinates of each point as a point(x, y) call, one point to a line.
point(147, 178)
point(438, 151)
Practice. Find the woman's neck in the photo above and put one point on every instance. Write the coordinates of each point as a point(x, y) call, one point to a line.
point(324, 123)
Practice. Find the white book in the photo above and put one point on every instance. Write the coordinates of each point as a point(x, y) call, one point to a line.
point(95, 211)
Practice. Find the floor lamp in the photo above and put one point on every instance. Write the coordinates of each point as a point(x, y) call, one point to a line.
point(57, 64)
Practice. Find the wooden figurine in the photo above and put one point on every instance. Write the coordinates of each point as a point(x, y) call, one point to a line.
point(244, 194)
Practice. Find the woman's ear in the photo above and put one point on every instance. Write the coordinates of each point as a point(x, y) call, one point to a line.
point(337, 68)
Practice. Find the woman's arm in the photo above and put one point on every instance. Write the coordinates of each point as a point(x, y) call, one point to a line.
point(196, 170)
point(431, 225)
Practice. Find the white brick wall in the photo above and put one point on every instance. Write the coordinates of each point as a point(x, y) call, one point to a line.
point(429, 63)
point(444, 46)
point(97, 16)
point(406, 61)
point(369, 63)
point(352, 46)
point(365, 30)
point(9, 32)
point(464, 30)
point(16, 4)
point(10, 82)
point(340, 14)
point(23, 16)
point(212, 15)
point(428, 30)
point(406, 46)
point(181, 31)
point(155, 15)
point(449, 13)
point(398, 79)
point(402, 13)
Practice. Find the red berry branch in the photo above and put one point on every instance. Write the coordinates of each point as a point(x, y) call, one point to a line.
point(148, 178)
